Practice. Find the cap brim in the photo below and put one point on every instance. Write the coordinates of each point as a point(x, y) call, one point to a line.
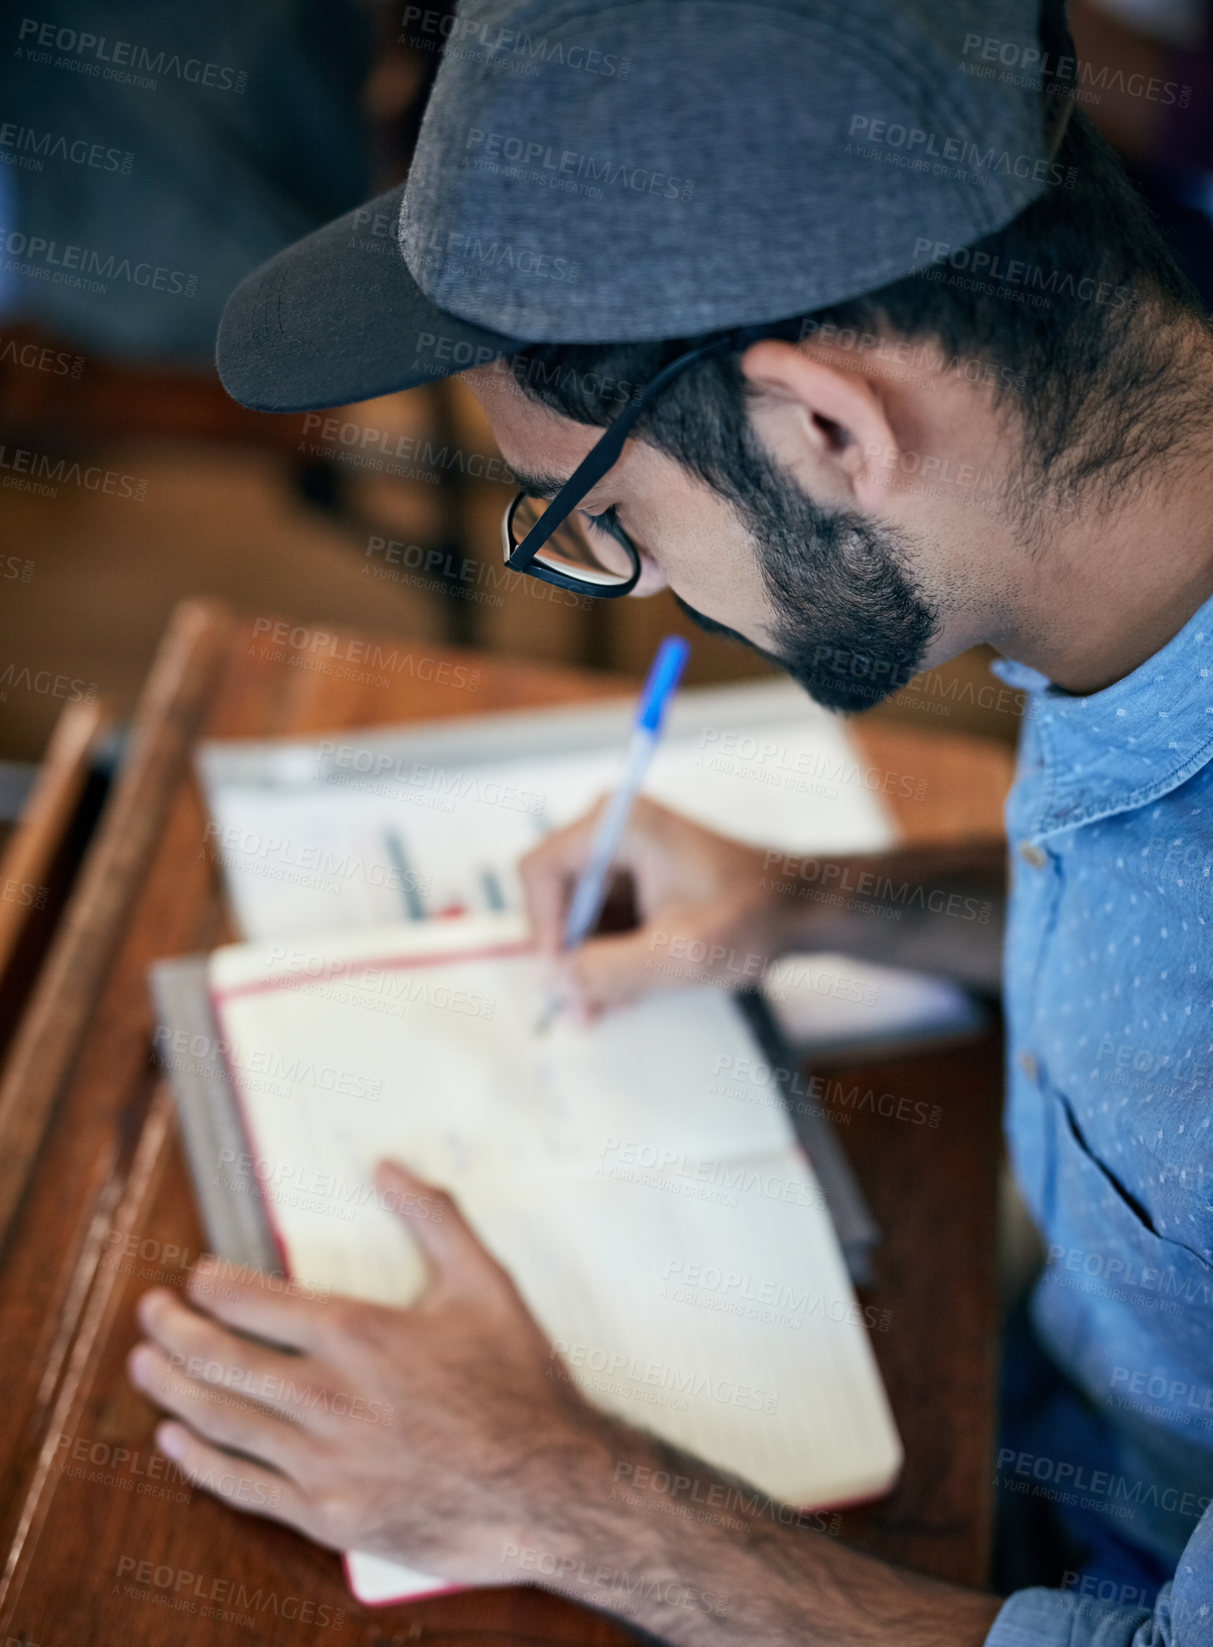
point(337, 318)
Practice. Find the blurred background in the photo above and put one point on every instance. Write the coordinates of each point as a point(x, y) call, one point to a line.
point(150, 156)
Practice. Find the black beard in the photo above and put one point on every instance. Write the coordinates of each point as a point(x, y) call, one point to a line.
point(852, 628)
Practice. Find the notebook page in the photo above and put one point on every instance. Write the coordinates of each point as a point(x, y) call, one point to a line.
point(380, 826)
point(726, 1324)
point(669, 1237)
point(410, 822)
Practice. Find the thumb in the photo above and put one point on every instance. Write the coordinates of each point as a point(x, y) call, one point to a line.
point(456, 1253)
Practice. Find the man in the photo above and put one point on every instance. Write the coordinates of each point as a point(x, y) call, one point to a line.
point(896, 365)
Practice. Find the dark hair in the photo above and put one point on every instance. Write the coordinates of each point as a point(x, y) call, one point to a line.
point(1068, 344)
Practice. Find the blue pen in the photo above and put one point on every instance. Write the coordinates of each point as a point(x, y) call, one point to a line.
point(591, 890)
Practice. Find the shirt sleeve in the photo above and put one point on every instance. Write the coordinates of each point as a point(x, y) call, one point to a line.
point(1062, 1618)
point(1182, 1615)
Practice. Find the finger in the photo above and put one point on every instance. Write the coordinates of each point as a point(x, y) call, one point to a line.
point(271, 1306)
point(239, 1482)
point(609, 971)
point(220, 1415)
point(201, 1349)
point(457, 1256)
point(548, 873)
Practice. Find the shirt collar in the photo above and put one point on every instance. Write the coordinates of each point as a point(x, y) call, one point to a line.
point(1138, 739)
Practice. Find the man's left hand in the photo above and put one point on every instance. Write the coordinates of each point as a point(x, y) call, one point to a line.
point(435, 1435)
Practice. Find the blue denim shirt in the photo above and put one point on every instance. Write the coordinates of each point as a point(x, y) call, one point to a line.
point(1109, 994)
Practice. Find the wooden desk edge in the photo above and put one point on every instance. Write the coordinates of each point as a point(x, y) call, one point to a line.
point(45, 818)
point(55, 1020)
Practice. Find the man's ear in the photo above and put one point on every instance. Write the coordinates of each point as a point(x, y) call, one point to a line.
point(827, 425)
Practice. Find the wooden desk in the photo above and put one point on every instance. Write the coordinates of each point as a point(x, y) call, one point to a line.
point(40, 857)
point(95, 1173)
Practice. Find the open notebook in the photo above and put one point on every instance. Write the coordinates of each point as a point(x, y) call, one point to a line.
point(375, 826)
point(644, 1191)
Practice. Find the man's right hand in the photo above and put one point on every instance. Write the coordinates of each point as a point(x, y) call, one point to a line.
point(712, 910)
point(704, 914)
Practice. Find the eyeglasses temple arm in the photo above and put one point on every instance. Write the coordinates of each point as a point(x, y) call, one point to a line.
point(605, 452)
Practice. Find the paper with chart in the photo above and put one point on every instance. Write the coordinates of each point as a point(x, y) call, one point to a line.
point(655, 1212)
point(371, 827)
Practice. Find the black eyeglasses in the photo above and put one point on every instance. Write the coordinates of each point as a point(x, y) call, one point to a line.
point(593, 555)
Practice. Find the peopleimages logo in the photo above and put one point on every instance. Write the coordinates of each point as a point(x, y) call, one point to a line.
point(120, 60)
point(469, 253)
point(226, 1600)
point(43, 474)
point(32, 147)
point(532, 161)
point(426, 28)
point(924, 145)
point(1016, 64)
point(66, 265)
point(1032, 278)
point(1106, 1489)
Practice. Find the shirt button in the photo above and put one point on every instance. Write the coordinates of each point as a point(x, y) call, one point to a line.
point(1033, 854)
point(1027, 1062)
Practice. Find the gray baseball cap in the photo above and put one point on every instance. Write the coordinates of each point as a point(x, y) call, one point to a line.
point(643, 169)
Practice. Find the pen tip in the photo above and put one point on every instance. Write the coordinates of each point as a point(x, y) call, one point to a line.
point(544, 1021)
